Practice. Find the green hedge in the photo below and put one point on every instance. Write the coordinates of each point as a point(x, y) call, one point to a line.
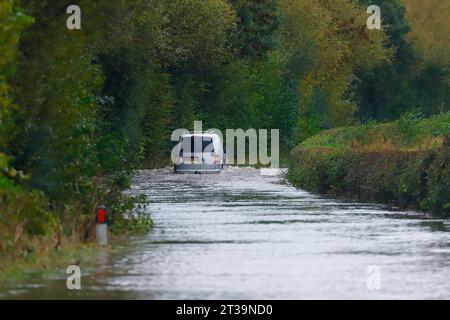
point(409, 179)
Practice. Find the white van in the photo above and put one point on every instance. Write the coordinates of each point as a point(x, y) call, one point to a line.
point(200, 153)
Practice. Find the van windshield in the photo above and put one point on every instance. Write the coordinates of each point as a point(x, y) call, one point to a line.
point(194, 143)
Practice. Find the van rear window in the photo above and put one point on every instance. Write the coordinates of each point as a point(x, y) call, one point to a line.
point(189, 144)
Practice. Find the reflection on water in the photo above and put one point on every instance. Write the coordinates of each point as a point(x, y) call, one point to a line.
point(240, 235)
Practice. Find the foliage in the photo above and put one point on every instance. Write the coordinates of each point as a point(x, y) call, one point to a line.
point(429, 35)
point(81, 109)
point(410, 133)
point(325, 44)
point(415, 77)
point(21, 211)
point(256, 94)
point(257, 23)
point(405, 163)
point(12, 22)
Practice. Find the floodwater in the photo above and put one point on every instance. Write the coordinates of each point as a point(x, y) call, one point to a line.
point(241, 235)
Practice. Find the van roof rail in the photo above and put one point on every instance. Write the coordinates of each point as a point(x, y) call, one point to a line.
point(201, 132)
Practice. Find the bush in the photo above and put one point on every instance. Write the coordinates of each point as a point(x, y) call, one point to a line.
point(409, 178)
point(23, 213)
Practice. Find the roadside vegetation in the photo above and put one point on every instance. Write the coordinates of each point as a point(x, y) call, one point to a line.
point(404, 163)
point(80, 110)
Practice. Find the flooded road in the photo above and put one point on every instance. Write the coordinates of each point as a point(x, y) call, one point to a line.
point(240, 235)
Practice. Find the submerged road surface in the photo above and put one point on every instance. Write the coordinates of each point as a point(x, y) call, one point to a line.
point(240, 235)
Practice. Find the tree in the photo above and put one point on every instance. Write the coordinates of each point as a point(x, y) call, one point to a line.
point(428, 21)
point(257, 23)
point(411, 80)
point(325, 44)
point(21, 210)
point(12, 22)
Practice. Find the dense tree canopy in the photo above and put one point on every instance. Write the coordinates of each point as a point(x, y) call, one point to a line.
point(408, 81)
point(325, 44)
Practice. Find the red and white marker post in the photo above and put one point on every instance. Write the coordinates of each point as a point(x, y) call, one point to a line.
point(101, 226)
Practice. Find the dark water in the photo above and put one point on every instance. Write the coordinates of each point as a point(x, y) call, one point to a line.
point(240, 235)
